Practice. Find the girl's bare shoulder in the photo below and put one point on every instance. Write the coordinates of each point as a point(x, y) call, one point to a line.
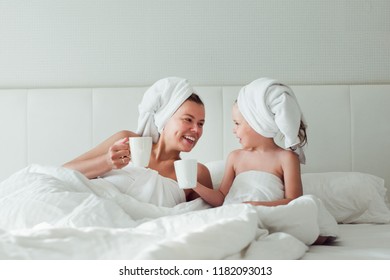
point(236, 154)
point(288, 156)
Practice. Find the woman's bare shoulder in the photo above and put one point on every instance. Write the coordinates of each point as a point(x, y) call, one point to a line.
point(202, 167)
point(204, 176)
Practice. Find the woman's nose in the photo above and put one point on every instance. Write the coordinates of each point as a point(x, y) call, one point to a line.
point(195, 128)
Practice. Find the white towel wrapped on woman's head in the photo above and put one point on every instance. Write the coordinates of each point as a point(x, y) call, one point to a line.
point(159, 103)
point(270, 107)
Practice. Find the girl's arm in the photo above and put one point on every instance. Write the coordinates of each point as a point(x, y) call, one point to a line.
point(292, 181)
point(204, 179)
point(217, 197)
point(113, 153)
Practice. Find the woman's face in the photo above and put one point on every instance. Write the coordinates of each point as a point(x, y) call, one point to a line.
point(185, 127)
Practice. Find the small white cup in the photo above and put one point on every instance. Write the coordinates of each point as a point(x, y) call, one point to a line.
point(186, 173)
point(140, 148)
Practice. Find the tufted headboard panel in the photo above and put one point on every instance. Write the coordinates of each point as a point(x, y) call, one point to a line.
point(348, 125)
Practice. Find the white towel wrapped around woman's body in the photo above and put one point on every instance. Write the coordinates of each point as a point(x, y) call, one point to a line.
point(145, 185)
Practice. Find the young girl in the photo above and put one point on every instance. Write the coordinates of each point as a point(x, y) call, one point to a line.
point(261, 172)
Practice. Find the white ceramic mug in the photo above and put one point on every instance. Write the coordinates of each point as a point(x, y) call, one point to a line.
point(140, 148)
point(186, 173)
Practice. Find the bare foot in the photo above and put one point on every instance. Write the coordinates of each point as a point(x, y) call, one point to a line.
point(321, 240)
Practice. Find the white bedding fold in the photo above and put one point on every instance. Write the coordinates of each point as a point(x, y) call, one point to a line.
point(56, 213)
point(144, 184)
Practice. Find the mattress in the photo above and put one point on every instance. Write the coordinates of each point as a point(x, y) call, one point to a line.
point(355, 242)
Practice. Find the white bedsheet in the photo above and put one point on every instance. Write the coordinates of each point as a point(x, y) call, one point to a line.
point(56, 213)
point(355, 242)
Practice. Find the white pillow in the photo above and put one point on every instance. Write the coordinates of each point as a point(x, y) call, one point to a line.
point(351, 197)
point(216, 169)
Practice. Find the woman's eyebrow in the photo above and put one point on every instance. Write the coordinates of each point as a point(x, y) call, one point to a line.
point(192, 116)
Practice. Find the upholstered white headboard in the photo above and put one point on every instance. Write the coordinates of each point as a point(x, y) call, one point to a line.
point(348, 125)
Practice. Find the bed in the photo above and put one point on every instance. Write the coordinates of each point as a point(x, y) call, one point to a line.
point(347, 173)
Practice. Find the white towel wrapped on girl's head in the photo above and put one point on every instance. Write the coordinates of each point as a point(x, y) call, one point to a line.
point(270, 107)
point(159, 103)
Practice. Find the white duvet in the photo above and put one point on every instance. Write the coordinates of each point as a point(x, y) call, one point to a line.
point(56, 213)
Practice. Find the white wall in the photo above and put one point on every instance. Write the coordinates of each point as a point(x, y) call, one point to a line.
point(84, 43)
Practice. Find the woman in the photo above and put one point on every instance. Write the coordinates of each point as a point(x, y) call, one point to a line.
point(174, 116)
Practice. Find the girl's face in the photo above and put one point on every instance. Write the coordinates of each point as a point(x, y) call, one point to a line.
point(185, 127)
point(243, 131)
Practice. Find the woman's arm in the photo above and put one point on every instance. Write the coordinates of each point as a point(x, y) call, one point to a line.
point(113, 153)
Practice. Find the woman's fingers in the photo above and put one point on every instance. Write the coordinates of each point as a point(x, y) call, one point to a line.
point(122, 144)
point(120, 153)
point(124, 141)
point(122, 161)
